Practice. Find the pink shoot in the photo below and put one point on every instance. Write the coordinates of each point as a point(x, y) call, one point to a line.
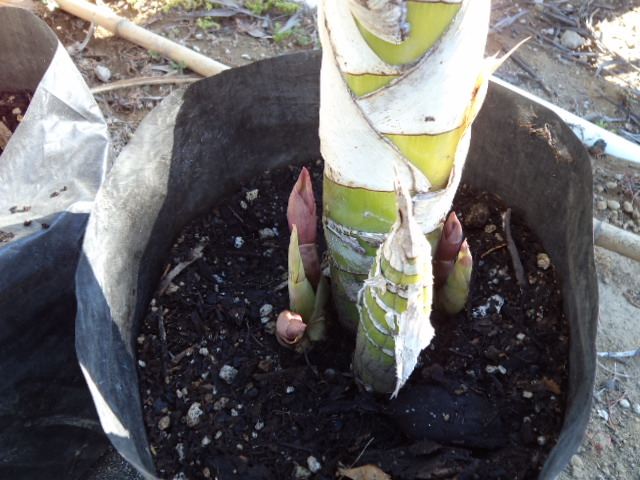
point(289, 328)
point(447, 250)
point(301, 213)
point(301, 210)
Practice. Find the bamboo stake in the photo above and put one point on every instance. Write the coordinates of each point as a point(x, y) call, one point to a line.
point(140, 81)
point(128, 30)
point(617, 240)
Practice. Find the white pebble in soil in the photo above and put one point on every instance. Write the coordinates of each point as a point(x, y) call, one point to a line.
point(228, 373)
point(251, 195)
point(164, 422)
point(543, 261)
point(571, 39)
point(627, 206)
point(103, 73)
point(314, 465)
point(266, 310)
point(301, 473)
point(601, 205)
point(193, 414)
point(180, 450)
point(266, 233)
point(613, 205)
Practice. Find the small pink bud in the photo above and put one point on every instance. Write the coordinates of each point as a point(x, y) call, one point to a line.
point(447, 250)
point(301, 210)
point(289, 328)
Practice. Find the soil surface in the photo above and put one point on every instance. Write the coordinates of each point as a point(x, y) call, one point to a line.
point(596, 76)
point(223, 399)
point(13, 106)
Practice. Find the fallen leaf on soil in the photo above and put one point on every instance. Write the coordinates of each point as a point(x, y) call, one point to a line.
point(366, 472)
point(550, 385)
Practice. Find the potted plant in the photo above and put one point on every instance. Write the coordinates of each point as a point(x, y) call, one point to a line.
point(264, 116)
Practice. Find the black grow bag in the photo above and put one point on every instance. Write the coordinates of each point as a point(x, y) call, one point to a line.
point(50, 172)
point(201, 142)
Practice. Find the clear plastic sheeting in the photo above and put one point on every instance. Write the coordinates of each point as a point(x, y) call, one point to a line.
point(53, 165)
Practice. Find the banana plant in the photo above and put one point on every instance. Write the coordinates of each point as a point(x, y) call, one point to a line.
point(401, 82)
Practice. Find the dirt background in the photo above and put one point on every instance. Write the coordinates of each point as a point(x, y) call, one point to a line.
point(583, 55)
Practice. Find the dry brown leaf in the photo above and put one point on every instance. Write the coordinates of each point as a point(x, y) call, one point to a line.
point(550, 386)
point(366, 472)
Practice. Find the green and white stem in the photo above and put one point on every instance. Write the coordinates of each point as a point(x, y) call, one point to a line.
point(394, 304)
point(401, 82)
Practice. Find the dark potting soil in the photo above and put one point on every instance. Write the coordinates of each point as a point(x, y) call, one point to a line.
point(222, 399)
point(13, 106)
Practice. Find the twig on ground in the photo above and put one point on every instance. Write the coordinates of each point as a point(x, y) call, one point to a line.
point(163, 342)
point(500, 6)
point(187, 352)
point(505, 22)
point(561, 18)
point(196, 253)
point(513, 251)
point(493, 250)
point(359, 456)
point(518, 60)
point(140, 81)
point(629, 296)
point(77, 47)
point(564, 51)
point(632, 116)
point(614, 372)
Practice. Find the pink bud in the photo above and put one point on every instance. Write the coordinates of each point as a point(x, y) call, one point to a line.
point(301, 210)
point(289, 328)
point(447, 250)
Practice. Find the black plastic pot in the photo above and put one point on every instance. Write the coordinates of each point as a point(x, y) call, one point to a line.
point(49, 428)
point(203, 141)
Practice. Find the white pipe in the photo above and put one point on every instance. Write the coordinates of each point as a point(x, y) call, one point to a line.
point(586, 131)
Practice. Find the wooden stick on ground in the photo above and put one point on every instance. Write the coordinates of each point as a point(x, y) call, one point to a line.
point(128, 30)
point(139, 81)
point(617, 240)
point(513, 251)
